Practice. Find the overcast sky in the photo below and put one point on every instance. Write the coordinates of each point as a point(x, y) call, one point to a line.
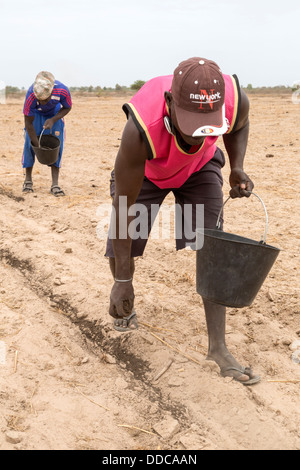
point(105, 42)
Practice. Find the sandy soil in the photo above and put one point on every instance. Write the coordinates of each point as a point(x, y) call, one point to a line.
point(67, 379)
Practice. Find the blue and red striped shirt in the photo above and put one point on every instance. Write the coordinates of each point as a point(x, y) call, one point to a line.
point(60, 95)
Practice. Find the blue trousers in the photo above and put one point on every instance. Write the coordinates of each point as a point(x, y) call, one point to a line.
point(58, 130)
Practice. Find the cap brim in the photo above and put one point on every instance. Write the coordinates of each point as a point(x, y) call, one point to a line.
point(42, 96)
point(201, 124)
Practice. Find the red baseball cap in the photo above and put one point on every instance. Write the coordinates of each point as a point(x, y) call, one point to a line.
point(198, 90)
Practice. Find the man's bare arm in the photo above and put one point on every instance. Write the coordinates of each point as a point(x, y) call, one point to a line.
point(129, 176)
point(49, 123)
point(236, 146)
point(31, 130)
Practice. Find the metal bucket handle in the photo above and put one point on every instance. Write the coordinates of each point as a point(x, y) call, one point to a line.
point(40, 138)
point(263, 237)
point(42, 135)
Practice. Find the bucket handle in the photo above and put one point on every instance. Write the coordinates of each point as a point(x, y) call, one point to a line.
point(263, 237)
point(42, 135)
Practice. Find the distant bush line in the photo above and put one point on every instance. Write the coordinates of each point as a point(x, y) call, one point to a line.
point(99, 91)
point(276, 90)
point(86, 90)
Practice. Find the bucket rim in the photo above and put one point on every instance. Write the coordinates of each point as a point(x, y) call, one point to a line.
point(53, 137)
point(239, 238)
point(42, 149)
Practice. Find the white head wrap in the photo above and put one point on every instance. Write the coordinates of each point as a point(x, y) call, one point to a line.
point(43, 85)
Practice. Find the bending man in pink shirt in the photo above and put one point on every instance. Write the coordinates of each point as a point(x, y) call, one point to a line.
point(169, 144)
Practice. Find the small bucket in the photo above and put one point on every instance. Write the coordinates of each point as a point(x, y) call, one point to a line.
point(231, 269)
point(48, 150)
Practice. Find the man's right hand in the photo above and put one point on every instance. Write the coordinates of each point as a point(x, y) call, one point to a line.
point(121, 299)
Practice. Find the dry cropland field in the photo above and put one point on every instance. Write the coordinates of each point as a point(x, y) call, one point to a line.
point(68, 380)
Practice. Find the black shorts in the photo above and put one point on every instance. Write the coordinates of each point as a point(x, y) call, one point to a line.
point(202, 188)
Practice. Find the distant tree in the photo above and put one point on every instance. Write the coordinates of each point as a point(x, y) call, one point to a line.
point(137, 84)
point(12, 89)
point(249, 87)
point(118, 87)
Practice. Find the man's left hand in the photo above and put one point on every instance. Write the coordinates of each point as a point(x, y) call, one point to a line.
point(48, 124)
point(240, 183)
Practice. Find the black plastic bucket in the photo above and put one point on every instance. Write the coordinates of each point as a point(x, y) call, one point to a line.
point(231, 269)
point(48, 150)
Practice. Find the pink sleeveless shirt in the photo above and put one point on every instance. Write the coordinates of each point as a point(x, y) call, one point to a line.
point(168, 166)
